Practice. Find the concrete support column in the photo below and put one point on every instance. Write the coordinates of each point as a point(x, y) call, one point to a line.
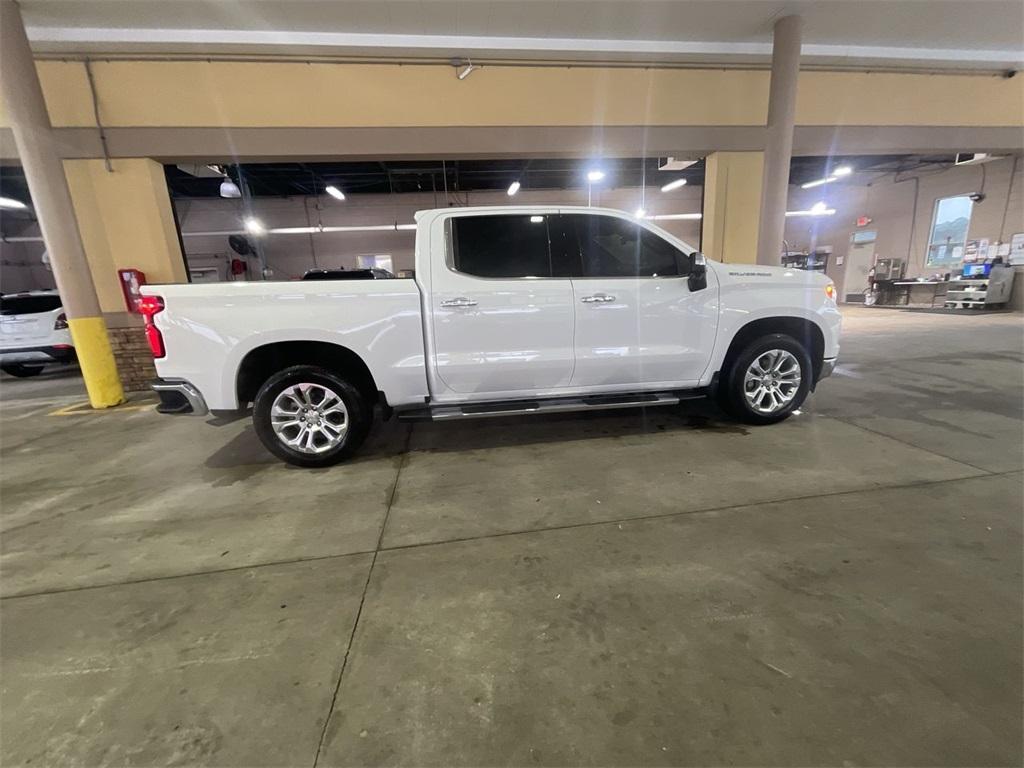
point(778, 149)
point(33, 136)
point(126, 221)
point(732, 204)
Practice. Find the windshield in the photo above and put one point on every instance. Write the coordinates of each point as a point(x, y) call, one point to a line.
point(28, 305)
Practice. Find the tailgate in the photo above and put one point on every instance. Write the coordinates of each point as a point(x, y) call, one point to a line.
point(26, 330)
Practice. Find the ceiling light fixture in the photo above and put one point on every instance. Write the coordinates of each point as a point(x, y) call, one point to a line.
point(12, 204)
point(513, 188)
point(254, 226)
point(536, 219)
point(228, 188)
point(673, 185)
point(334, 192)
point(837, 173)
point(640, 213)
point(817, 182)
point(594, 176)
point(467, 67)
point(818, 209)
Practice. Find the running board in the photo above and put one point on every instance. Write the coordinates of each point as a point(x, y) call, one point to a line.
point(553, 405)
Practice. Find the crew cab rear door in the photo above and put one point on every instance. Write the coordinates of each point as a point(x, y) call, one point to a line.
point(638, 323)
point(502, 326)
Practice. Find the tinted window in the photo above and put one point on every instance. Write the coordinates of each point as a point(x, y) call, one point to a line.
point(28, 305)
point(501, 246)
point(612, 247)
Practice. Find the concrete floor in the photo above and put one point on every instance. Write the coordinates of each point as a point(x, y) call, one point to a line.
point(660, 588)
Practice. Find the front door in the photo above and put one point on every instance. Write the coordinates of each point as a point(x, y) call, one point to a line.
point(859, 260)
point(637, 321)
point(502, 325)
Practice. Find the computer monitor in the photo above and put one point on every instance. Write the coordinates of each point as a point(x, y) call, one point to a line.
point(977, 270)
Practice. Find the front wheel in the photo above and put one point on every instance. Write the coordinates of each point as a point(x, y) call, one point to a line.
point(311, 417)
point(768, 380)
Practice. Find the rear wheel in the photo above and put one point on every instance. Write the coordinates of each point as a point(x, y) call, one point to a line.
point(21, 370)
point(311, 417)
point(768, 380)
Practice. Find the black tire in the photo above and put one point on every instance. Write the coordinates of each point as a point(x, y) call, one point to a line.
point(359, 416)
point(731, 392)
point(21, 370)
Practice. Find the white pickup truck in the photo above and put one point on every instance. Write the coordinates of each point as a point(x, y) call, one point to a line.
point(513, 310)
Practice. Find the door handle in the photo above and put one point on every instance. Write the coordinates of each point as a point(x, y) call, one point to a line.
point(461, 301)
point(597, 298)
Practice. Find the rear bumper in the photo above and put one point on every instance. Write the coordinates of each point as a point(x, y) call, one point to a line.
point(51, 354)
point(178, 396)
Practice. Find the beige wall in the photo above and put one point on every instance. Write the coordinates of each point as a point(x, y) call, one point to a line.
point(890, 205)
point(125, 220)
point(262, 94)
point(732, 206)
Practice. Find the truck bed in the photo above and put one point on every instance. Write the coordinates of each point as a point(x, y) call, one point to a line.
point(208, 330)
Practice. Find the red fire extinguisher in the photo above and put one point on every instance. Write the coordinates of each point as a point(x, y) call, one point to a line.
point(131, 281)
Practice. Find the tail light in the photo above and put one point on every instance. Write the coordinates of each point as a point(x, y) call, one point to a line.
point(148, 307)
point(62, 322)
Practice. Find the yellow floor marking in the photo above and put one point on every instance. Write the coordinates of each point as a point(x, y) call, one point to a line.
point(84, 409)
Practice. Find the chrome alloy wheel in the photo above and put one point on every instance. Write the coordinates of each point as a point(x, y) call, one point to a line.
point(772, 381)
point(309, 418)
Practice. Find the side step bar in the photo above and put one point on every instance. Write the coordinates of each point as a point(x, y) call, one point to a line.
point(552, 405)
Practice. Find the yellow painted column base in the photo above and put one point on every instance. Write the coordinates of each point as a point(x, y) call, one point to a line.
point(96, 359)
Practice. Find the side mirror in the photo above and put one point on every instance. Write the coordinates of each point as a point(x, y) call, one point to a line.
point(698, 271)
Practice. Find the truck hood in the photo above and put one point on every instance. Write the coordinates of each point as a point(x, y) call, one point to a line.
point(758, 273)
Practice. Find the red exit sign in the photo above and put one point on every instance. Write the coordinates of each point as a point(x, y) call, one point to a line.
point(863, 221)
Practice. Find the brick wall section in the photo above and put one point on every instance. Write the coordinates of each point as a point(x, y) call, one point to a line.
point(134, 359)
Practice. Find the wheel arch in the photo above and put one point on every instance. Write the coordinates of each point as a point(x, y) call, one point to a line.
point(262, 362)
point(806, 331)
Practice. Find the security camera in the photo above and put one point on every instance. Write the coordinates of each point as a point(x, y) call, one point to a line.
point(977, 197)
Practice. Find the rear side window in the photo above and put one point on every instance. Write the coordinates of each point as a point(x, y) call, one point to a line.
point(501, 246)
point(28, 305)
point(613, 247)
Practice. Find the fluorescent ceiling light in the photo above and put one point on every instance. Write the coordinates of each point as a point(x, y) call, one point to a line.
point(513, 188)
point(254, 226)
point(818, 182)
point(12, 204)
point(678, 217)
point(536, 219)
point(673, 185)
point(837, 173)
point(228, 188)
point(639, 213)
point(334, 192)
point(814, 211)
point(595, 175)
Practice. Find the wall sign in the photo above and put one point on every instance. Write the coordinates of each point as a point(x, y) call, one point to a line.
point(1017, 248)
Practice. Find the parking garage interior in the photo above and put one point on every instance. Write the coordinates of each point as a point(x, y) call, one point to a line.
point(652, 586)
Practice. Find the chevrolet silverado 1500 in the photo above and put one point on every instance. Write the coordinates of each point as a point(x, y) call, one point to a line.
point(512, 310)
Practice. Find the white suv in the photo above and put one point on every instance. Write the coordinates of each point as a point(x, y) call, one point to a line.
point(33, 332)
